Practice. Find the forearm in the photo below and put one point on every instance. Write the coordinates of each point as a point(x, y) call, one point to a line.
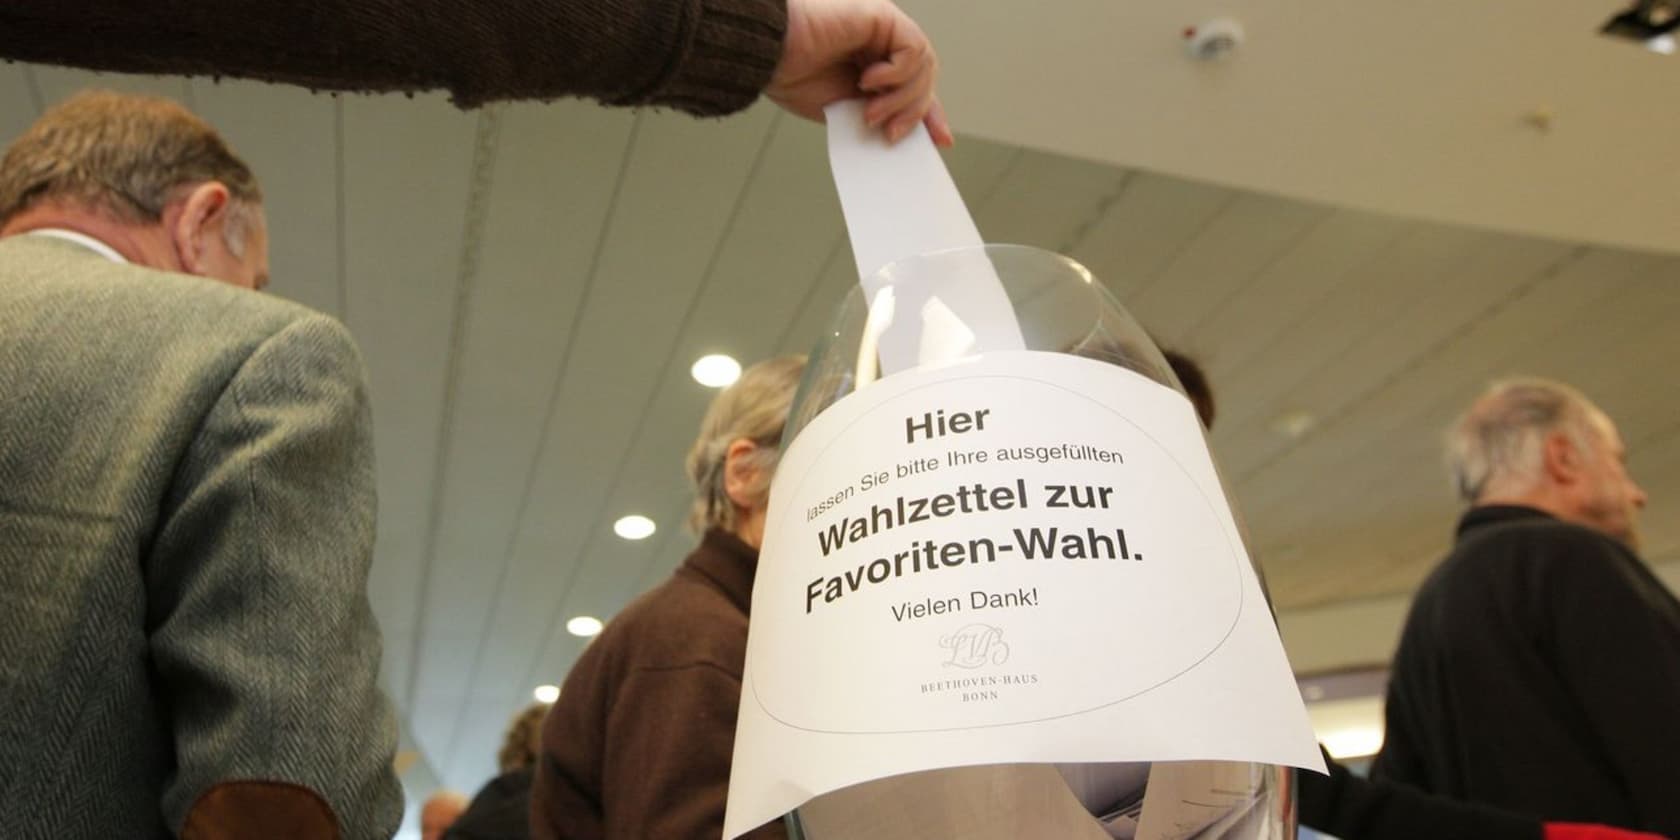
point(703, 56)
point(1348, 806)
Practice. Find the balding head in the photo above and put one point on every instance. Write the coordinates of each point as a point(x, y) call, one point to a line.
point(1543, 444)
point(145, 176)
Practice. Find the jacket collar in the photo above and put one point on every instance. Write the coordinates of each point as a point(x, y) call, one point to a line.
point(728, 564)
point(98, 246)
point(1487, 515)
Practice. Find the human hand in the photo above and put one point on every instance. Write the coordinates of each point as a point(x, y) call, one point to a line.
point(839, 49)
point(1580, 831)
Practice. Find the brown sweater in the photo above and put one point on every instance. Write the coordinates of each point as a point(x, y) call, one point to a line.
point(638, 746)
point(707, 57)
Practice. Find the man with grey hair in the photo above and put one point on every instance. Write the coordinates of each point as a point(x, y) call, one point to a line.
point(1539, 669)
point(186, 504)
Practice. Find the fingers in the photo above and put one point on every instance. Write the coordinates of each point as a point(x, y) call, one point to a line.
point(906, 50)
point(900, 88)
point(897, 112)
point(836, 50)
point(939, 127)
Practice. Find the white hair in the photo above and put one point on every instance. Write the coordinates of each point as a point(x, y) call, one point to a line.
point(241, 217)
point(1498, 445)
point(755, 408)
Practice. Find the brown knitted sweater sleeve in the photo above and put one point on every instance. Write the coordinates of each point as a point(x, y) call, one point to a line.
point(707, 57)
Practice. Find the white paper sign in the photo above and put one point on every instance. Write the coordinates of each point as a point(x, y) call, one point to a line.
point(1020, 557)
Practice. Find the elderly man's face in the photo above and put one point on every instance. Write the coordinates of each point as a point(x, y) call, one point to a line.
point(1611, 500)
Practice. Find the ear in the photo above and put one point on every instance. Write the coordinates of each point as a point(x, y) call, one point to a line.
point(740, 474)
point(1562, 458)
point(203, 213)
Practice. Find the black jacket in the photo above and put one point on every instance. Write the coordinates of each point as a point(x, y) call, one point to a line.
point(500, 811)
point(1539, 671)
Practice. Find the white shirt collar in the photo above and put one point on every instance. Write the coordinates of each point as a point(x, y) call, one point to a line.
point(83, 240)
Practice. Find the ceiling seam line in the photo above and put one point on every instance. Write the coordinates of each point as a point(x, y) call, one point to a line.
point(1295, 242)
point(1282, 335)
point(1183, 247)
point(481, 184)
point(994, 189)
point(36, 95)
point(1403, 229)
point(341, 200)
point(1076, 239)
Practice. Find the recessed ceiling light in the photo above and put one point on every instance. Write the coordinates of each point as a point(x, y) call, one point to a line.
point(1293, 424)
point(634, 527)
point(716, 371)
point(583, 625)
point(547, 693)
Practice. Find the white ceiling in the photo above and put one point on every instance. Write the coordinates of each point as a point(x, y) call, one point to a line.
point(530, 284)
point(1419, 108)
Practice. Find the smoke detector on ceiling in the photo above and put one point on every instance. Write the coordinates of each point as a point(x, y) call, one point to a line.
point(1214, 39)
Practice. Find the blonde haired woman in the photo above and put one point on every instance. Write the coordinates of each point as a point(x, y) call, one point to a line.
point(639, 744)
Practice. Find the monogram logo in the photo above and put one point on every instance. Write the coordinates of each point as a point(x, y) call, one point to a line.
point(975, 646)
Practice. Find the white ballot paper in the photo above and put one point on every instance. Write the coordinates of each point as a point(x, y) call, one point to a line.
point(1017, 557)
point(1204, 800)
point(899, 202)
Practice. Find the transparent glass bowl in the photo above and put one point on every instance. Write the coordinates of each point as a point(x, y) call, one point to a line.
point(1061, 308)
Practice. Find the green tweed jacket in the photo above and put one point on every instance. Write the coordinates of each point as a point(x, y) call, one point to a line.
point(186, 523)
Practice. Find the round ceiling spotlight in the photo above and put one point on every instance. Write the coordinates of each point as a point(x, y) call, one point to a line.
point(634, 527)
point(583, 625)
point(546, 693)
point(716, 371)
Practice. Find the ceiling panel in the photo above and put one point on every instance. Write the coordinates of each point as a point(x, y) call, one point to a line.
point(401, 269)
point(1256, 385)
point(1234, 327)
point(19, 101)
point(1249, 235)
point(529, 279)
point(1045, 200)
point(1145, 228)
point(668, 221)
point(58, 83)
